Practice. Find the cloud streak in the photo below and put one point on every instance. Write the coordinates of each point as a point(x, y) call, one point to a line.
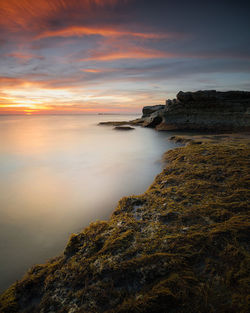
point(79, 31)
point(136, 53)
point(40, 13)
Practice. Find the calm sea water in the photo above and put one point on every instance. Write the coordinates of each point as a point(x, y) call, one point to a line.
point(59, 173)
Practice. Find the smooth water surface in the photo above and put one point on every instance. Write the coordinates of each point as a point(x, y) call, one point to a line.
point(59, 173)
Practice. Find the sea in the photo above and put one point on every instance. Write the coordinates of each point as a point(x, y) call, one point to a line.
point(58, 173)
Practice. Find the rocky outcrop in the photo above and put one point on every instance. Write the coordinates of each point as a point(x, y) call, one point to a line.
point(123, 128)
point(148, 110)
point(182, 246)
point(201, 110)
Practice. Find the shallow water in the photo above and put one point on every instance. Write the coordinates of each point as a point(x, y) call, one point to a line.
point(59, 173)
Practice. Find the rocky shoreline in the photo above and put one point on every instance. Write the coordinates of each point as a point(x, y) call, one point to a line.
point(207, 110)
point(182, 246)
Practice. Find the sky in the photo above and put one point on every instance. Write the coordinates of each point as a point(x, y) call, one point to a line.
point(116, 56)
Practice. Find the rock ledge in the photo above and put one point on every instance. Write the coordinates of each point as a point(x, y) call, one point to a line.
point(201, 110)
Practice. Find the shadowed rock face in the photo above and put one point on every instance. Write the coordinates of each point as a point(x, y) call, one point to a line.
point(148, 110)
point(201, 110)
point(123, 128)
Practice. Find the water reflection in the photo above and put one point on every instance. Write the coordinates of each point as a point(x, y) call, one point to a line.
point(58, 173)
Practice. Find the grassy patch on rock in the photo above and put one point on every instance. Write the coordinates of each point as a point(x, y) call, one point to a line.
point(182, 246)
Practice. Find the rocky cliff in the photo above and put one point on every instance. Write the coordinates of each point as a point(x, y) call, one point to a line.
point(201, 110)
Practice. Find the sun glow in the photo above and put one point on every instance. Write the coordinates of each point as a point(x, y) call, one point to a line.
point(28, 112)
point(28, 98)
point(32, 99)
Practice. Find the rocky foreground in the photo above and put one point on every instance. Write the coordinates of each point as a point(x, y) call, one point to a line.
point(208, 110)
point(182, 246)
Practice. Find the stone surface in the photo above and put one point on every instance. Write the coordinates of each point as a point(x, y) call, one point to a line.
point(202, 110)
point(123, 128)
point(135, 122)
point(148, 110)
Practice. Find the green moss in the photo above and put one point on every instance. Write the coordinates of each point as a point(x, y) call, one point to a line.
point(8, 301)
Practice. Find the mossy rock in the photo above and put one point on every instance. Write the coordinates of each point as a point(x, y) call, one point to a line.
point(182, 246)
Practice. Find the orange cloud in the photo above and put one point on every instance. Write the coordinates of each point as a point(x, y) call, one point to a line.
point(100, 71)
point(19, 55)
point(31, 82)
point(29, 14)
point(102, 31)
point(10, 81)
point(130, 53)
point(23, 57)
point(91, 70)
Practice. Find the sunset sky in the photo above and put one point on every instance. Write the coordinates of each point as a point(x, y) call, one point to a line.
point(89, 56)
